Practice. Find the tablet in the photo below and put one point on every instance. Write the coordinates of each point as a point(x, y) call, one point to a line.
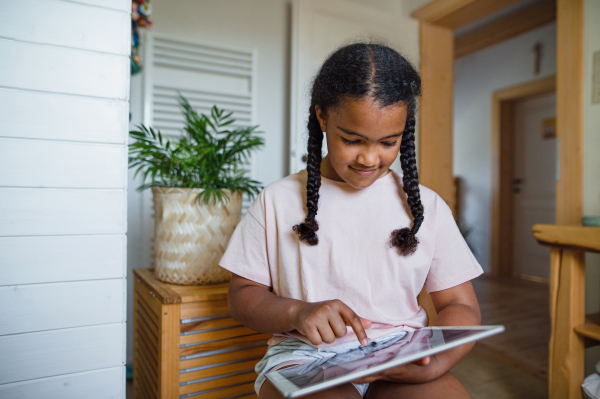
point(380, 354)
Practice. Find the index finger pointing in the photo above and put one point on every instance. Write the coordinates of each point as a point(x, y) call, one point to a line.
point(351, 319)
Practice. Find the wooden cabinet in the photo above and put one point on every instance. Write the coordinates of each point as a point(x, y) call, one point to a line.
point(187, 345)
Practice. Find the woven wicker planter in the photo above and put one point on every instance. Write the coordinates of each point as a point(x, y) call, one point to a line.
point(190, 237)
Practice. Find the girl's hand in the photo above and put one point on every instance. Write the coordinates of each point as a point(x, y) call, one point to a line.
point(419, 371)
point(326, 321)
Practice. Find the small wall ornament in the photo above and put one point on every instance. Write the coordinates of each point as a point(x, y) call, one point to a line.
point(140, 18)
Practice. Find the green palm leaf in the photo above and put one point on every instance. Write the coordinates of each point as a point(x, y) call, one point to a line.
point(210, 155)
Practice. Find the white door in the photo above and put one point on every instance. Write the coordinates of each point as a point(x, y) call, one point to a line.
point(321, 26)
point(534, 188)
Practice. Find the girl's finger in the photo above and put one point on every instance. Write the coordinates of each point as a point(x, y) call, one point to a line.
point(351, 319)
point(423, 362)
point(314, 336)
point(326, 333)
point(338, 326)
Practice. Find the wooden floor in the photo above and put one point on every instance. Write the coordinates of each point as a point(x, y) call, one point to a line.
point(522, 307)
point(486, 378)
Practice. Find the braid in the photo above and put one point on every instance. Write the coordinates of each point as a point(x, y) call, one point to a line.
point(405, 239)
point(307, 231)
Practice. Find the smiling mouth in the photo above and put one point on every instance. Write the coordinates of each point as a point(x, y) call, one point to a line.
point(363, 172)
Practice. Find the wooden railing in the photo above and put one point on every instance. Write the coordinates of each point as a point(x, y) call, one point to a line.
point(572, 331)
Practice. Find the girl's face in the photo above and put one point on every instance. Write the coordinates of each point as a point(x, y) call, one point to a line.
point(363, 140)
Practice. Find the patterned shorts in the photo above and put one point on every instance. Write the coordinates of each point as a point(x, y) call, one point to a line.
point(292, 352)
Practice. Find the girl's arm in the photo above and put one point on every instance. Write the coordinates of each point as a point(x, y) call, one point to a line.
point(255, 306)
point(456, 306)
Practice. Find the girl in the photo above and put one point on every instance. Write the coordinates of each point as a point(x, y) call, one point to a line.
point(369, 241)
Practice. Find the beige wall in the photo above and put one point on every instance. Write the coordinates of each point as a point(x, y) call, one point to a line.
point(476, 77)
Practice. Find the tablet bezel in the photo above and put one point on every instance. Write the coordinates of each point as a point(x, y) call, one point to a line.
point(290, 390)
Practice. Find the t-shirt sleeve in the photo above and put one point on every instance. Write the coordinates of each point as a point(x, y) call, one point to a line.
point(453, 262)
point(246, 254)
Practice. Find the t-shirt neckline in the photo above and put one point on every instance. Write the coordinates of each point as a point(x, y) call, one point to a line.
point(388, 178)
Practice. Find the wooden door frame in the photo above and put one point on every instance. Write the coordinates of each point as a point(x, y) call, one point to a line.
point(503, 124)
point(439, 19)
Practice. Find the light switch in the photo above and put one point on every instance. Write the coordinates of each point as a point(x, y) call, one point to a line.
point(596, 86)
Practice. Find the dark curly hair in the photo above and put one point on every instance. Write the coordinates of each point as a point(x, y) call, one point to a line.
point(360, 71)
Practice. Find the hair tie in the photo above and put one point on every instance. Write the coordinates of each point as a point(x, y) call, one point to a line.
point(417, 224)
point(413, 86)
point(311, 215)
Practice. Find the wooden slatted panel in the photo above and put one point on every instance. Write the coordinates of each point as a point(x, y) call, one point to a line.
point(195, 339)
point(208, 325)
point(170, 321)
point(219, 393)
point(203, 309)
point(149, 349)
point(146, 347)
point(149, 298)
point(217, 371)
point(225, 380)
point(223, 344)
point(145, 382)
point(202, 362)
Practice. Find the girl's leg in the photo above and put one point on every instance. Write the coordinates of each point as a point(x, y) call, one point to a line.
point(447, 387)
point(346, 391)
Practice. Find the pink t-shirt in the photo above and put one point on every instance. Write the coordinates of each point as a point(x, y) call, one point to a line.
point(353, 261)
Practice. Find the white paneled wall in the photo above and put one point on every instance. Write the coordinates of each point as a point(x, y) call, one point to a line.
point(64, 86)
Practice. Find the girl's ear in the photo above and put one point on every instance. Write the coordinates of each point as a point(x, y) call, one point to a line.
point(321, 117)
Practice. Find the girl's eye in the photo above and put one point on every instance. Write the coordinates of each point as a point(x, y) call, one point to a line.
point(389, 143)
point(350, 141)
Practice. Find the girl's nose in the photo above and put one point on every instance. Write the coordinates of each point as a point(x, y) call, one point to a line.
point(367, 158)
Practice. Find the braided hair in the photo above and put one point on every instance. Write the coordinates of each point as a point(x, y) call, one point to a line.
point(360, 71)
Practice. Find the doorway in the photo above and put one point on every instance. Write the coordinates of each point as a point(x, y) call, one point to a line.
point(534, 183)
point(524, 164)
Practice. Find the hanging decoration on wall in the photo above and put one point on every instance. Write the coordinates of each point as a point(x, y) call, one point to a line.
point(140, 18)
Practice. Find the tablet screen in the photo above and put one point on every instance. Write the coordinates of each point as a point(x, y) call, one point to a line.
point(398, 349)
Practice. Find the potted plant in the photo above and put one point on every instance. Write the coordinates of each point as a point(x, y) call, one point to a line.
point(197, 182)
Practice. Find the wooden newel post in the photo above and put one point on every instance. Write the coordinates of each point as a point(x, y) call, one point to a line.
point(569, 325)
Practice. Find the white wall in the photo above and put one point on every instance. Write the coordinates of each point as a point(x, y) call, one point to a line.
point(591, 163)
point(260, 24)
point(64, 87)
point(476, 77)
